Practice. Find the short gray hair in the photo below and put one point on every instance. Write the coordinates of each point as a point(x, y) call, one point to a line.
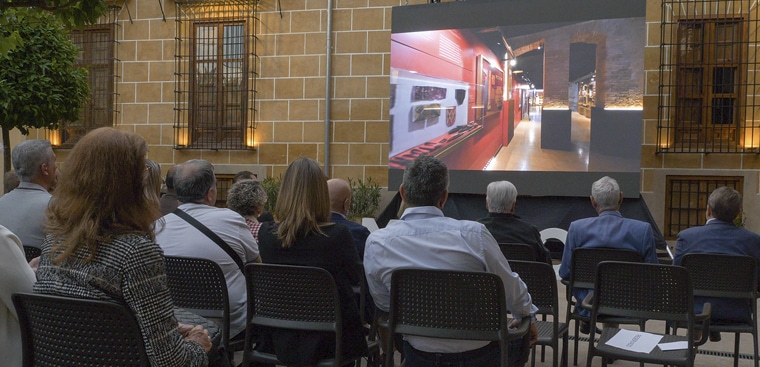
point(425, 181)
point(193, 179)
point(246, 197)
point(606, 193)
point(28, 156)
point(500, 196)
point(726, 203)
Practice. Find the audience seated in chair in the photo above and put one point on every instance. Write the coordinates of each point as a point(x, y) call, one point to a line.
point(304, 235)
point(424, 238)
point(195, 184)
point(340, 203)
point(247, 198)
point(505, 226)
point(609, 229)
point(100, 244)
point(15, 276)
point(22, 210)
point(264, 216)
point(169, 198)
point(720, 235)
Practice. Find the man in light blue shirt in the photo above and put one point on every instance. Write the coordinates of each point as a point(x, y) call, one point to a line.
point(424, 238)
point(22, 210)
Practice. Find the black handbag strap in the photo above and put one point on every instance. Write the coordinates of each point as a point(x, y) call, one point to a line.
point(211, 235)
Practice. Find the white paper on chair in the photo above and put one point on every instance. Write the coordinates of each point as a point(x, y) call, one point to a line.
point(673, 345)
point(635, 341)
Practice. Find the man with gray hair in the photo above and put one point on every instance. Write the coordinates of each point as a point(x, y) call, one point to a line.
point(609, 229)
point(505, 226)
point(22, 210)
point(195, 186)
point(424, 238)
point(720, 235)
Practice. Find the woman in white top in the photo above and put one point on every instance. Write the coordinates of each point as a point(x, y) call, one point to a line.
point(15, 276)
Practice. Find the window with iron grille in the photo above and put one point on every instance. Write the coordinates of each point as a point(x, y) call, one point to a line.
point(708, 77)
point(686, 200)
point(97, 54)
point(215, 63)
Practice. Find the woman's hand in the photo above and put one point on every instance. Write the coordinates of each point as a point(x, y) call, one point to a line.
point(199, 335)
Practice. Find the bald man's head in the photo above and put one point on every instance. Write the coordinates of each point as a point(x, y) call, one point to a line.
point(340, 195)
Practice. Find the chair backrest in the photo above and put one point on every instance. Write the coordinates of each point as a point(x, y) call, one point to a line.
point(722, 276)
point(199, 286)
point(30, 252)
point(541, 281)
point(556, 233)
point(65, 331)
point(585, 260)
point(517, 251)
point(642, 290)
point(448, 304)
point(293, 297)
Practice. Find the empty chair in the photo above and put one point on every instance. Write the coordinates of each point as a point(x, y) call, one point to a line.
point(583, 274)
point(298, 298)
point(554, 240)
point(31, 252)
point(542, 286)
point(64, 331)
point(517, 251)
point(647, 292)
point(450, 304)
point(727, 276)
point(198, 285)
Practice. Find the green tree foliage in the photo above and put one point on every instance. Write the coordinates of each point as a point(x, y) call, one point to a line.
point(39, 85)
point(70, 13)
point(365, 198)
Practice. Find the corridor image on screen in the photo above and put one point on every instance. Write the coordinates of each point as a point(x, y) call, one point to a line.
point(518, 94)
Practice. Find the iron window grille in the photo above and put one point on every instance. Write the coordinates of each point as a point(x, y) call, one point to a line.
point(215, 63)
point(686, 200)
point(708, 77)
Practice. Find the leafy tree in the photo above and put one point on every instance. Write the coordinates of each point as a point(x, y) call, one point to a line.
point(39, 85)
point(70, 13)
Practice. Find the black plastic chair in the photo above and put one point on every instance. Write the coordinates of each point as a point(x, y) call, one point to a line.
point(583, 274)
point(450, 305)
point(541, 281)
point(647, 292)
point(63, 331)
point(199, 286)
point(297, 298)
point(31, 252)
point(518, 251)
point(727, 276)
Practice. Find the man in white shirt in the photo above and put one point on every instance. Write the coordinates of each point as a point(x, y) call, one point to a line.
point(195, 185)
point(22, 210)
point(424, 238)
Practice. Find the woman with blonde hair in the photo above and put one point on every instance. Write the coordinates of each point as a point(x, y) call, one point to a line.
point(100, 244)
point(303, 235)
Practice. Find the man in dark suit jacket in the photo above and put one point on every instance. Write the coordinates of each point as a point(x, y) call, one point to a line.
point(608, 229)
point(720, 236)
point(505, 226)
point(340, 203)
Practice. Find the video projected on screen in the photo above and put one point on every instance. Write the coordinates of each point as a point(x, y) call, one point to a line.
point(544, 94)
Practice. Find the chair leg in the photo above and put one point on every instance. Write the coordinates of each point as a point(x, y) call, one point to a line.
point(754, 340)
point(564, 350)
point(555, 353)
point(577, 335)
point(533, 356)
point(736, 349)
